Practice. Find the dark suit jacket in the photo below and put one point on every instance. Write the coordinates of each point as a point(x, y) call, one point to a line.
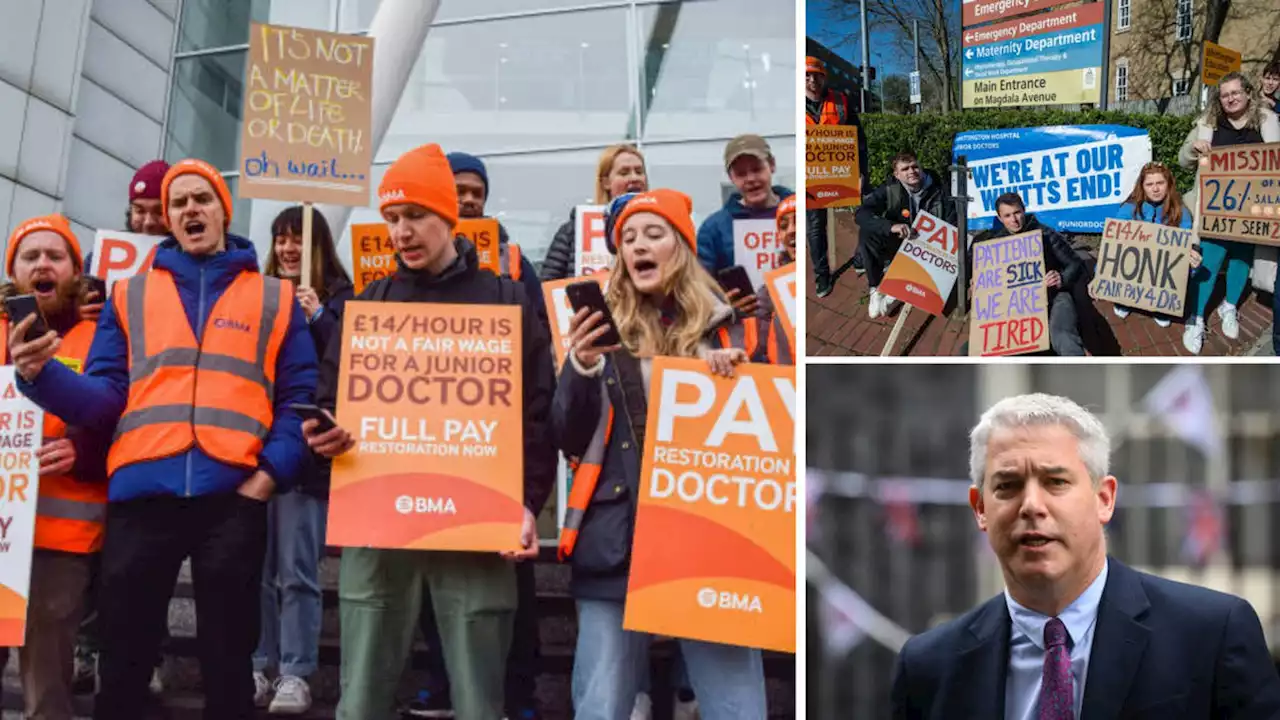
point(1161, 651)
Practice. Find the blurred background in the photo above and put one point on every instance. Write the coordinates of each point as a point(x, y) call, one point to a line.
point(893, 547)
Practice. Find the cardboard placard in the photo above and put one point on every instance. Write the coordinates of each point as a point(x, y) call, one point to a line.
point(832, 177)
point(924, 271)
point(756, 246)
point(432, 394)
point(120, 255)
point(1240, 194)
point(307, 112)
point(1010, 299)
point(21, 434)
point(590, 251)
point(1143, 265)
point(559, 311)
point(718, 477)
point(782, 291)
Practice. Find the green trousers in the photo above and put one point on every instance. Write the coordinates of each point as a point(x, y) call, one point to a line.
point(380, 595)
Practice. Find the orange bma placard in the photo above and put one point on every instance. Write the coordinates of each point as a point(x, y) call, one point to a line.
point(714, 556)
point(432, 394)
point(372, 256)
point(483, 233)
point(560, 311)
point(782, 291)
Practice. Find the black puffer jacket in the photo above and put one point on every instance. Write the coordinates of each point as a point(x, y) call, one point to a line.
point(1058, 253)
point(314, 480)
point(558, 263)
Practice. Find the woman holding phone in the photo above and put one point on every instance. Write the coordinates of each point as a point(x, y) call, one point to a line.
point(621, 170)
point(291, 599)
point(662, 303)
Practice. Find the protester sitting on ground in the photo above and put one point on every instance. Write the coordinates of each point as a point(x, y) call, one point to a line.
point(473, 593)
point(289, 639)
point(887, 214)
point(1271, 86)
point(772, 346)
point(663, 303)
point(191, 479)
point(1235, 116)
point(1155, 199)
point(621, 170)
point(1063, 269)
point(42, 260)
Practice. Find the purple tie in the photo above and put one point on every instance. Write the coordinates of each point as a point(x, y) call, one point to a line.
point(1056, 698)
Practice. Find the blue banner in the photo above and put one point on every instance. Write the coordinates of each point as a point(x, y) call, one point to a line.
point(1071, 50)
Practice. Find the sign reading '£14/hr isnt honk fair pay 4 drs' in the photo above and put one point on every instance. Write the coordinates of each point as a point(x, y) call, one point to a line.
point(21, 433)
point(1053, 58)
point(307, 110)
point(832, 176)
point(1240, 194)
point(718, 475)
point(1010, 299)
point(1143, 265)
point(432, 394)
point(923, 272)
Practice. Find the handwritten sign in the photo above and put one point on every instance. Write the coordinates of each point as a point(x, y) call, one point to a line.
point(1011, 301)
point(756, 246)
point(307, 110)
point(1240, 194)
point(372, 255)
point(833, 178)
point(591, 254)
point(1143, 265)
point(120, 255)
point(560, 311)
point(718, 475)
point(1218, 62)
point(924, 271)
point(432, 394)
point(21, 434)
point(781, 284)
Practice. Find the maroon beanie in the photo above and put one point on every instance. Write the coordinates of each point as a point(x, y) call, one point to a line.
point(147, 181)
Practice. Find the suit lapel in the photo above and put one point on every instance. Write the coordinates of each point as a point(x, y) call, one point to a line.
point(982, 666)
point(1119, 641)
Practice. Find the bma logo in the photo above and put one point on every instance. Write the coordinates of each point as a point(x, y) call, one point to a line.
point(397, 194)
point(229, 324)
point(406, 505)
point(711, 598)
point(828, 193)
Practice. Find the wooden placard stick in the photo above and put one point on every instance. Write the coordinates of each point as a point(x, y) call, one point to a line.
point(305, 270)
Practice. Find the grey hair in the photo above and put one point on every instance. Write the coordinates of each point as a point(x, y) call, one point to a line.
point(1039, 409)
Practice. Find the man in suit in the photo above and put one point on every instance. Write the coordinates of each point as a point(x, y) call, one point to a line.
point(1076, 635)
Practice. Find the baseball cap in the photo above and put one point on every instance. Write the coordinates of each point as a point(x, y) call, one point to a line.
point(746, 145)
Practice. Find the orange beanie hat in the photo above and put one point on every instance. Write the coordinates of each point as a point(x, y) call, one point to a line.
point(786, 207)
point(191, 166)
point(674, 206)
point(55, 223)
point(423, 177)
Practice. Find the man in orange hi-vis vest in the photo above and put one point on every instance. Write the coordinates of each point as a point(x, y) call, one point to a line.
point(193, 369)
point(43, 259)
point(826, 107)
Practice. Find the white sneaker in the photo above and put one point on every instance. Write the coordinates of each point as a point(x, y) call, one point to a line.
point(685, 710)
point(888, 303)
point(157, 681)
point(1193, 336)
point(1120, 312)
point(261, 690)
point(293, 696)
point(1163, 321)
point(1230, 320)
point(643, 709)
point(875, 306)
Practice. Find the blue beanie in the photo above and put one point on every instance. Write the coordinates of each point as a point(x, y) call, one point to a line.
point(461, 162)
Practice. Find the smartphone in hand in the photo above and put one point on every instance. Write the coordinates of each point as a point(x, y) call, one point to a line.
point(19, 307)
point(736, 278)
point(587, 294)
point(317, 413)
point(98, 285)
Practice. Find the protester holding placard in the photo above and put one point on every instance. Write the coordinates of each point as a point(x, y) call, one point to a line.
point(887, 214)
point(42, 259)
point(772, 346)
point(1063, 269)
point(193, 368)
point(1271, 85)
point(1235, 116)
point(749, 162)
point(1155, 199)
point(827, 107)
point(621, 170)
point(291, 600)
point(474, 593)
point(663, 304)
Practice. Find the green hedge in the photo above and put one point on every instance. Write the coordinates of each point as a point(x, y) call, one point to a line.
point(931, 136)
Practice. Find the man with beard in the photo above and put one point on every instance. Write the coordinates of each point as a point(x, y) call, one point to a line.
point(43, 259)
point(194, 369)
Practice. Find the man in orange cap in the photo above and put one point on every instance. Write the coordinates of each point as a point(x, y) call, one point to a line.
point(42, 259)
point(193, 370)
point(827, 107)
point(474, 594)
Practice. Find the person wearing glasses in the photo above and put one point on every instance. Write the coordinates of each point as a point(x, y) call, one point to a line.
point(1235, 116)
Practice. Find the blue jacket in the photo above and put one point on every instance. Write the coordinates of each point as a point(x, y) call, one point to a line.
point(715, 237)
point(95, 400)
point(1152, 214)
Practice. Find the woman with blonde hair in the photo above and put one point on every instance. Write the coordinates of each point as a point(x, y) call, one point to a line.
point(1235, 116)
point(663, 303)
point(621, 170)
